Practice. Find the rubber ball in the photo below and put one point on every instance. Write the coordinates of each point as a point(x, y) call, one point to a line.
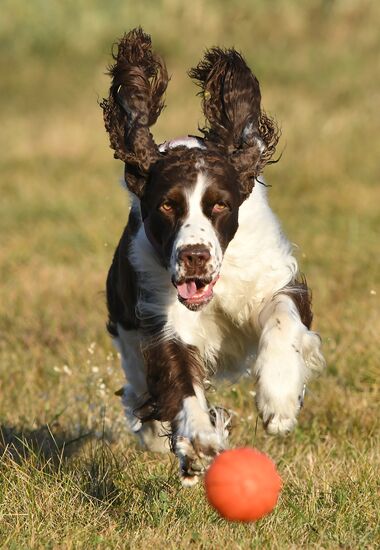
point(243, 484)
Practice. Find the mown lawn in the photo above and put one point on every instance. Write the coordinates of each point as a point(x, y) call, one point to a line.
point(70, 475)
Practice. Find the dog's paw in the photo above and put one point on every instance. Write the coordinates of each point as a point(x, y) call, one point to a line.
point(279, 411)
point(196, 454)
point(276, 424)
point(279, 404)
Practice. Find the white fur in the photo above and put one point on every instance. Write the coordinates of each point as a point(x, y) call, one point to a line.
point(186, 141)
point(242, 317)
point(128, 343)
point(194, 421)
point(257, 264)
point(196, 229)
point(151, 434)
point(196, 439)
point(281, 366)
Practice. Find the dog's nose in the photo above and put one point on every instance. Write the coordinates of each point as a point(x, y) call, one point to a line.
point(194, 257)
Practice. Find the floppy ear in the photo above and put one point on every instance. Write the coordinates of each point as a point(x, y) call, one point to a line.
point(231, 102)
point(139, 80)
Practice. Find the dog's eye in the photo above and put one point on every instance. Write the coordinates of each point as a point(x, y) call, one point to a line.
point(166, 207)
point(219, 207)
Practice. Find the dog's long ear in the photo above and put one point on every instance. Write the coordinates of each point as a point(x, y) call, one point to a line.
point(231, 101)
point(139, 80)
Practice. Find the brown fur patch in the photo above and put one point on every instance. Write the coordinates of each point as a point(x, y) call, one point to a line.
point(172, 370)
point(122, 283)
point(300, 293)
point(231, 102)
point(139, 80)
point(173, 176)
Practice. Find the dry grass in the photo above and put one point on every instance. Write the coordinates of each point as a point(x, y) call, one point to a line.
point(70, 476)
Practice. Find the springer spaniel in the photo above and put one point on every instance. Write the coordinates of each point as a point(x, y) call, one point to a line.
point(203, 279)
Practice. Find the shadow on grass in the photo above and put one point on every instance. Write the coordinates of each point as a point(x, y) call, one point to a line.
point(89, 461)
point(50, 449)
point(49, 443)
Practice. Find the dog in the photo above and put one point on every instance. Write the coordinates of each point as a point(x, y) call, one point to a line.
point(203, 279)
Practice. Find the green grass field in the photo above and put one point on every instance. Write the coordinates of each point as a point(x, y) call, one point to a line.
point(70, 474)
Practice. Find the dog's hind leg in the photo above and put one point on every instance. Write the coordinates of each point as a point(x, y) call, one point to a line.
point(152, 434)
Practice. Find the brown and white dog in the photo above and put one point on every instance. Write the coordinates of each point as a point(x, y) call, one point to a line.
point(203, 279)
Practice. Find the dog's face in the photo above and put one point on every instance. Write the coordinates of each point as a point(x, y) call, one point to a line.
point(190, 214)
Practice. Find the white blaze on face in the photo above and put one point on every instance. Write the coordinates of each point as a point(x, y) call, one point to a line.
point(197, 229)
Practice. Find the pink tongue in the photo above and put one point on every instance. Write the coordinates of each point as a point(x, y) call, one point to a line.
point(187, 290)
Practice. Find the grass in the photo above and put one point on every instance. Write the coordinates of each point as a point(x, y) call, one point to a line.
point(70, 474)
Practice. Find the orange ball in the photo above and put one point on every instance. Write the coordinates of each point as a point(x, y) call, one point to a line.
point(243, 484)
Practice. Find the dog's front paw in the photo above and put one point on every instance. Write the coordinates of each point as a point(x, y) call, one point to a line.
point(196, 454)
point(279, 411)
point(276, 424)
point(280, 391)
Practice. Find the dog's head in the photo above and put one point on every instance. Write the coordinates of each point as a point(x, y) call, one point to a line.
point(190, 213)
point(189, 190)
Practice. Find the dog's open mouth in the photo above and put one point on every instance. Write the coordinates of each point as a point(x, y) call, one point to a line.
point(195, 293)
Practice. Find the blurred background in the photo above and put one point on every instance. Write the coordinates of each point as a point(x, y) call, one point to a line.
point(62, 209)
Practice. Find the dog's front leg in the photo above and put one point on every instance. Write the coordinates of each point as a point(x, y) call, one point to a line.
point(288, 353)
point(174, 376)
